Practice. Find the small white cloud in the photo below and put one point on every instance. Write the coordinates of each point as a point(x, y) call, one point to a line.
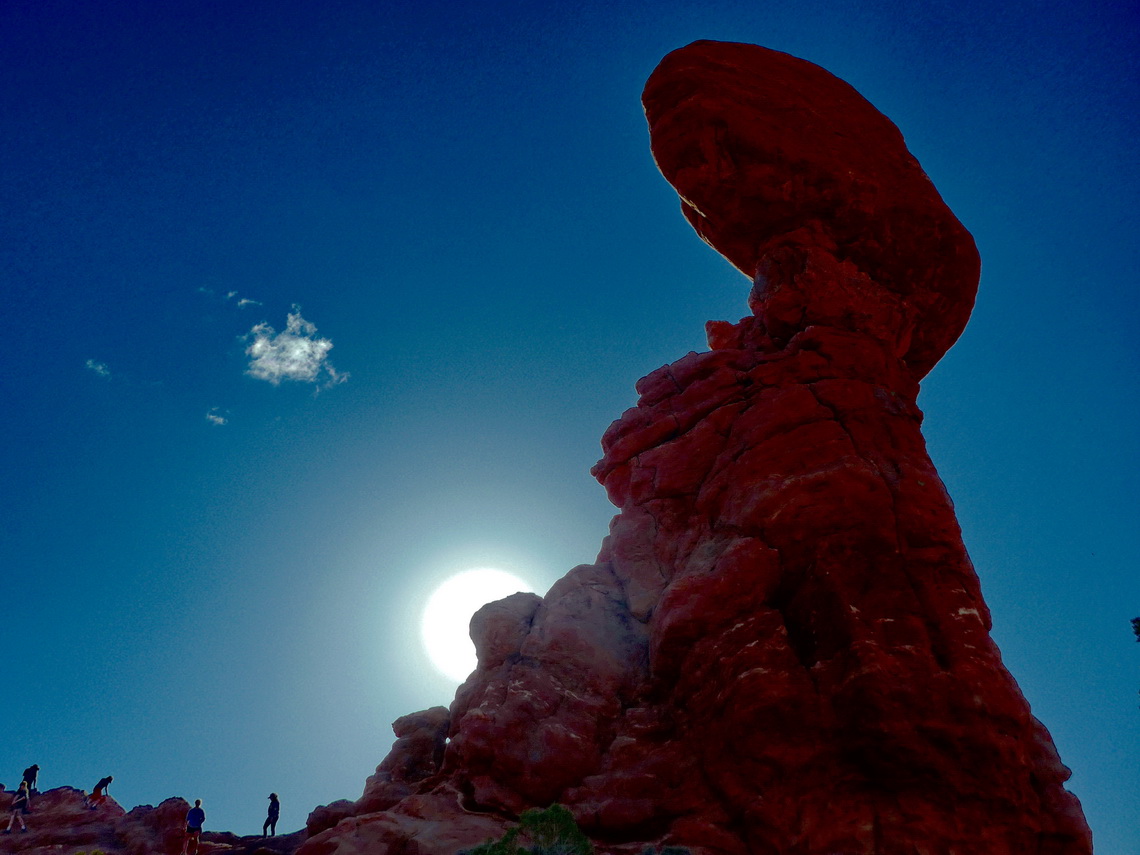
point(215, 417)
point(293, 354)
point(99, 368)
point(231, 296)
point(240, 301)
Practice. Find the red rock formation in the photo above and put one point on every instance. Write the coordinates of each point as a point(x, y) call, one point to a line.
point(60, 824)
point(764, 148)
point(782, 646)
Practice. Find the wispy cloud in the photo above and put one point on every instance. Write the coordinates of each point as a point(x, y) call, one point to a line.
point(99, 368)
point(215, 417)
point(231, 296)
point(242, 302)
point(295, 353)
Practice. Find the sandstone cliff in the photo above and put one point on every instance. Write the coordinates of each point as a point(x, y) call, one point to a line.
point(782, 646)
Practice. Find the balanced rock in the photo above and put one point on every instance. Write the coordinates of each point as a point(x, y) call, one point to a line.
point(782, 646)
point(768, 151)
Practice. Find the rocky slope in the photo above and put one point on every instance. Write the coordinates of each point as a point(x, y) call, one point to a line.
point(60, 824)
point(782, 646)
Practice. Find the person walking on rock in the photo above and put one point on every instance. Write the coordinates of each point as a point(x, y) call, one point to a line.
point(195, 819)
point(19, 808)
point(30, 776)
point(270, 823)
point(99, 794)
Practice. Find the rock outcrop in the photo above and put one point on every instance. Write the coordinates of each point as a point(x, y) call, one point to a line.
point(60, 824)
point(782, 646)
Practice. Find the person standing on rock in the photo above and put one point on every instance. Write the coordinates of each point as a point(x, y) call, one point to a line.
point(30, 776)
point(19, 808)
point(195, 819)
point(270, 823)
point(99, 794)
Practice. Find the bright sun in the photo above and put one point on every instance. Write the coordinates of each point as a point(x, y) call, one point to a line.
point(444, 626)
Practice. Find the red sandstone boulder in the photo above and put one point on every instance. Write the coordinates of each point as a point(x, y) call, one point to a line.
point(433, 822)
point(416, 755)
point(782, 646)
point(760, 144)
point(498, 629)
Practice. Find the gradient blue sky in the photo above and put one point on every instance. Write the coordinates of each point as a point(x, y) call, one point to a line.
point(460, 197)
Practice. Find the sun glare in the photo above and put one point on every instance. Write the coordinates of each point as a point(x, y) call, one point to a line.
point(444, 626)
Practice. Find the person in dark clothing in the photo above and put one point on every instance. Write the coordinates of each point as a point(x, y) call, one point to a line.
point(195, 819)
point(19, 808)
point(270, 823)
point(30, 776)
point(99, 794)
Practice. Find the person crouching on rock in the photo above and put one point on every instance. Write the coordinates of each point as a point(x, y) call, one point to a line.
point(195, 819)
point(19, 808)
point(99, 794)
point(270, 823)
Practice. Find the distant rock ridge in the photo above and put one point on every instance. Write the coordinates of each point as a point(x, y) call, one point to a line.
point(60, 824)
point(782, 646)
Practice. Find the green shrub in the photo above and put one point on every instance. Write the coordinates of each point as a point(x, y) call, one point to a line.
point(550, 831)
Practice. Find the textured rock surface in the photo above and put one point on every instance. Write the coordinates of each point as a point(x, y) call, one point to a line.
point(60, 824)
point(766, 149)
point(782, 646)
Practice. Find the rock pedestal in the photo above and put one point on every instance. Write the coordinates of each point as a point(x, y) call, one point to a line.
point(782, 646)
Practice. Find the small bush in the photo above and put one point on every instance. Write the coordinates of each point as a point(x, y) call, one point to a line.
point(550, 831)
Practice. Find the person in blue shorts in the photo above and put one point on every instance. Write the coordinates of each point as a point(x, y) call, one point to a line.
point(195, 819)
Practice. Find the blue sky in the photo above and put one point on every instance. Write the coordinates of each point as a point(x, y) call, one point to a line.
point(460, 199)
